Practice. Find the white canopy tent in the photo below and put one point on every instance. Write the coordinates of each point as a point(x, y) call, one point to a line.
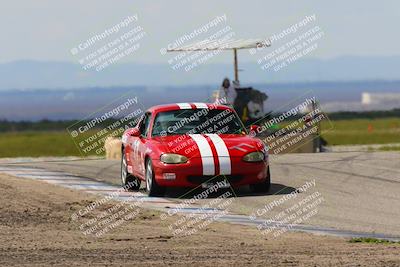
point(230, 44)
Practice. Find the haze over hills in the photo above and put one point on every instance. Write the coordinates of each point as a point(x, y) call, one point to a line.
point(37, 104)
point(61, 90)
point(36, 74)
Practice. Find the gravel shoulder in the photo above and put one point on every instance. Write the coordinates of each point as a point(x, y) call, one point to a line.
point(36, 229)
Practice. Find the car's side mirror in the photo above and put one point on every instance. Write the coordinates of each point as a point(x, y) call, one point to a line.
point(135, 132)
point(254, 129)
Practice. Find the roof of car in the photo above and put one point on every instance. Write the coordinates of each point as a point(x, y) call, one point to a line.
point(194, 105)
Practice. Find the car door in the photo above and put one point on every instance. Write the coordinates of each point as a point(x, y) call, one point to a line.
point(139, 145)
point(131, 150)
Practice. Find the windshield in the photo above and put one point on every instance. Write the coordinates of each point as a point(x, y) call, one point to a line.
point(196, 121)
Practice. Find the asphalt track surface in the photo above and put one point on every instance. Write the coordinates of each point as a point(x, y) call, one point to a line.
point(360, 190)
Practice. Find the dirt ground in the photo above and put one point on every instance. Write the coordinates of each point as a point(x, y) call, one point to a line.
point(36, 229)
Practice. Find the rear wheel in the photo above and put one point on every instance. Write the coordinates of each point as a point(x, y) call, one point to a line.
point(264, 186)
point(128, 181)
point(152, 188)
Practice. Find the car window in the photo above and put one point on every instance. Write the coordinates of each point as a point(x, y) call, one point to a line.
point(144, 128)
point(197, 121)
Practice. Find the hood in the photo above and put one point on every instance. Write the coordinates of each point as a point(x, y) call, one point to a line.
point(209, 145)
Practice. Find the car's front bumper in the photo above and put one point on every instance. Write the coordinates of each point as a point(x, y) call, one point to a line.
point(190, 174)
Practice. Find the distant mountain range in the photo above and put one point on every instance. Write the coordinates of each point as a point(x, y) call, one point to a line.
point(33, 90)
point(52, 75)
point(61, 104)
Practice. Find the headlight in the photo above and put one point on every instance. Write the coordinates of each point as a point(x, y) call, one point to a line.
point(254, 157)
point(173, 158)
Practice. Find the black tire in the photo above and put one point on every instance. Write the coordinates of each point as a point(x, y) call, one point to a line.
point(128, 181)
point(152, 188)
point(264, 186)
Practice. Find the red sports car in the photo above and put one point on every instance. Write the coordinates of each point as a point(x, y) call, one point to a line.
point(192, 145)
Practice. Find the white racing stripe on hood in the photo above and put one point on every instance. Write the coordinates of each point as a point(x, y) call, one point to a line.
point(184, 105)
point(200, 105)
point(207, 157)
point(223, 154)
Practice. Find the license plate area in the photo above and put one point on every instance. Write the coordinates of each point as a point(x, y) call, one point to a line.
point(220, 184)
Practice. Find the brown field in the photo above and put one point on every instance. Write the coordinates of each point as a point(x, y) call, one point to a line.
point(36, 230)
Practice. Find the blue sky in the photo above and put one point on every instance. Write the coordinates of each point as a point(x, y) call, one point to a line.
point(47, 30)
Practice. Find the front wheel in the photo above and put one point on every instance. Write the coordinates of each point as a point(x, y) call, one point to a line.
point(152, 188)
point(128, 181)
point(264, 186)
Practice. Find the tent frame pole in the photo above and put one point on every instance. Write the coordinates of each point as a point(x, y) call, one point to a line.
point(235, 61)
